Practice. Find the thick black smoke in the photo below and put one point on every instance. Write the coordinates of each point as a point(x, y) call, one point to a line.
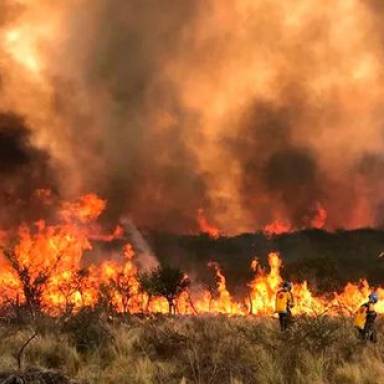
point(291, 176)
point(24, 170)
point(275, 166)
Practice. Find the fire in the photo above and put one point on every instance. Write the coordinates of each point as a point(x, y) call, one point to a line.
point(18, 44)
point(316, 220)
point(277, 227)
point(224, 302)
point(205, 226)
point(43, 267)
point(86, 209)
point(319, 220)
point(264, 286)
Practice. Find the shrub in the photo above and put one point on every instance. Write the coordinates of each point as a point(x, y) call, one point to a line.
point(196, 350)
point(88, 331)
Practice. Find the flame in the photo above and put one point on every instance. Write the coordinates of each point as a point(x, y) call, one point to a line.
point(277, 227)
point(264, 286)
point(205, 226)
point(18, 44)
point(86, 209)
point(46, 262)
point(320, 217)
point(224, 302)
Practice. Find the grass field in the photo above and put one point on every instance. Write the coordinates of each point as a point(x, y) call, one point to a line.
point(200, 350)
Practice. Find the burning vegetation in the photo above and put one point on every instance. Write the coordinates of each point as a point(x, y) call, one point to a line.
point(244, 127)
point(46, 267)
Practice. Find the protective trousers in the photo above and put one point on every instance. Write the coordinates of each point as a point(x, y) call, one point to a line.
point(285, 319)
point(369, 332)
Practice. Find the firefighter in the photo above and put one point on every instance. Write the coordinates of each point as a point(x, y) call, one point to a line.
point(284, 304)
point(365, 318)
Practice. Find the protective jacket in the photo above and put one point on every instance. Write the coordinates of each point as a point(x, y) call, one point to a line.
point(365, 314)
point(284, 301)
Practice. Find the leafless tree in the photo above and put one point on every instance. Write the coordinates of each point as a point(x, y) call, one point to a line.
point(33, 279)
point(123, 285)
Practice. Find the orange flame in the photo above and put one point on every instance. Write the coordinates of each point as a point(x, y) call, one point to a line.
point(88, 208)
point(205, 226)
point(277, 227)
point(320, 217)
point(49, 260)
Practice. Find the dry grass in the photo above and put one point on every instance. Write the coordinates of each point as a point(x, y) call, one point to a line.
point(199, 350)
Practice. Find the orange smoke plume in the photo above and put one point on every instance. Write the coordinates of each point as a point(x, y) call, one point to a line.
point(259, 130)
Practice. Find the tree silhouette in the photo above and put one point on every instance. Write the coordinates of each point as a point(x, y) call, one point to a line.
point(147, 287)
point(167, 282)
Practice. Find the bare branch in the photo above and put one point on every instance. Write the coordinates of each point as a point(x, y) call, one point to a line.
point(19, 355)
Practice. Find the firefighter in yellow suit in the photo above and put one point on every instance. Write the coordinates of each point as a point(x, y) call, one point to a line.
point(365, 318)
point(284, 304)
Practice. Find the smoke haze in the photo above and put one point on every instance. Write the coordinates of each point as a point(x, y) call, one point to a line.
point(252, 110)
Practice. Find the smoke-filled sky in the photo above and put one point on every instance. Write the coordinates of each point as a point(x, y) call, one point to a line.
point(254, 111)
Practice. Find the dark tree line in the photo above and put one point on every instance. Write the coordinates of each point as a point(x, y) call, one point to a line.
point(326, 259)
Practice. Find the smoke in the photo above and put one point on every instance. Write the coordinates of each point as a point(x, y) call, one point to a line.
point(144, 255)
point(253, 111)
point(24, 171)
